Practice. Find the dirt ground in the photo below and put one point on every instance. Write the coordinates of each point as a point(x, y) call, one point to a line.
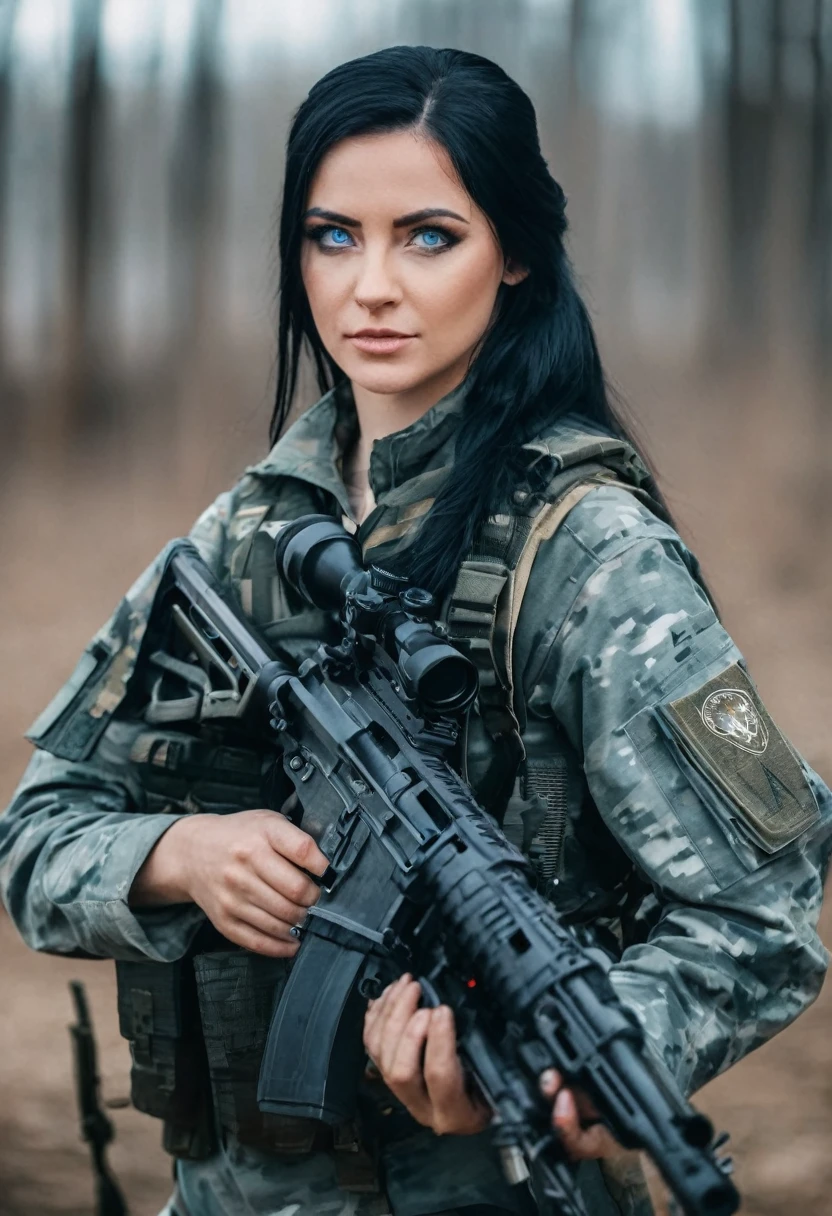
point(748, 484)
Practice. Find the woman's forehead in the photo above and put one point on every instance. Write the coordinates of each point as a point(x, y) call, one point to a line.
point(387, 174)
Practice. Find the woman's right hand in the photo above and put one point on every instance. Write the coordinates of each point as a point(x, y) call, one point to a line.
point(245, 870)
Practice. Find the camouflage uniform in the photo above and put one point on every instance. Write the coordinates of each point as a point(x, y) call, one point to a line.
point(700, 862)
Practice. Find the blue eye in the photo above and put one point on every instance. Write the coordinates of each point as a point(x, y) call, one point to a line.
point(338, 236)
point(330, 237)
point(433, 239)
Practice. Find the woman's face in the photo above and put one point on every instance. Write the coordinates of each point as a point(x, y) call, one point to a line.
point(400, 267)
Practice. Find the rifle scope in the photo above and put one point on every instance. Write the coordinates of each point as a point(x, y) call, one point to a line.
point(322, 562)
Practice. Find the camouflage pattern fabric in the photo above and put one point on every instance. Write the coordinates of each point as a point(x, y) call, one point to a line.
point(241, 1181)
point(716, 939)
point(423, 1176)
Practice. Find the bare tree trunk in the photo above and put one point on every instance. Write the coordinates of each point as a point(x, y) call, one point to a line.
point(749, 129)
point(75, 406)
point(818, 266)
point(8, 414)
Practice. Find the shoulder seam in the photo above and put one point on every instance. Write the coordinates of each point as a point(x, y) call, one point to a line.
point(581, 543)
point(625, 544)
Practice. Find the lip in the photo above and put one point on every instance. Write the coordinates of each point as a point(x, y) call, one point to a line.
point(379, 341)
point(379, 331)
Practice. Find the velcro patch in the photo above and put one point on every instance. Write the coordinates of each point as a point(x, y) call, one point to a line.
point(726, 732)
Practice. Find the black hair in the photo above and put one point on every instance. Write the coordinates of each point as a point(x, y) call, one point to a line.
point(539, 359)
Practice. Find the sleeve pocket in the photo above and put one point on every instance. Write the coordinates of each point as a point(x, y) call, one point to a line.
point(61, 728)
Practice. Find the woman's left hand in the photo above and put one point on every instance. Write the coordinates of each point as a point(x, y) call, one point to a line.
point(415, 1052)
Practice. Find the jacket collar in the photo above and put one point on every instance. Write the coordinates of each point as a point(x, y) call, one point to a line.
point(312, 447)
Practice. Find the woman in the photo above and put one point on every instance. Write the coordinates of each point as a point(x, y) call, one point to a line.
point(423, 266)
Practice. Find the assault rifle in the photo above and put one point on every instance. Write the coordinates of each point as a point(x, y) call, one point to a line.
point(420, 878)
point(96, 1128)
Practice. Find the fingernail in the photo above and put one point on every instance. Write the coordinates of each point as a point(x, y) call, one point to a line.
point(548, 1080)
point(562, 1104)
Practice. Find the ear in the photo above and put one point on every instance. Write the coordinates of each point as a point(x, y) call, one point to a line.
point(513, 273)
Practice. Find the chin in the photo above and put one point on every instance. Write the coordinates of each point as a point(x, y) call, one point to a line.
point(387, 378)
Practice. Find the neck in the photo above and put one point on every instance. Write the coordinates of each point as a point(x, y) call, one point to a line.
point(381, 414)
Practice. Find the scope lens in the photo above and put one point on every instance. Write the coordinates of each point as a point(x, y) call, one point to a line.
point(441, 679)
point(314, 554)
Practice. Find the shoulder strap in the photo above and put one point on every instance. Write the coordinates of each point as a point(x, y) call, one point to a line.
point(544, 527)
point(484, 608)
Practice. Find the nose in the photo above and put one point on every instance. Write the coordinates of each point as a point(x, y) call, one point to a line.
point(375, 286)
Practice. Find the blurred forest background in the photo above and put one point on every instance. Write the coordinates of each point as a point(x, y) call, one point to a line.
point(140, 163)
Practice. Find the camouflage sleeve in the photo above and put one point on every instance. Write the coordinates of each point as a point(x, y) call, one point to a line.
point(78, 828)
point(722, 820)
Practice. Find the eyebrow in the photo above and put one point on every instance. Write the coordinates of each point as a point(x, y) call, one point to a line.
point(413, 217)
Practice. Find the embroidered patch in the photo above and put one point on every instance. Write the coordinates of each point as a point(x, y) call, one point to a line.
point(725, 731)
point(729, 713)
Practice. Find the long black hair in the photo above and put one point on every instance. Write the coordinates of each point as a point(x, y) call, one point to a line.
point(539, 359)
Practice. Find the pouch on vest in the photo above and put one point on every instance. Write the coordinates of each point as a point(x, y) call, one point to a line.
point(158, 1014)
point(237, 993)
point(200, 772)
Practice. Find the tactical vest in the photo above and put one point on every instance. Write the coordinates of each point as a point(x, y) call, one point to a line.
point(528, 778)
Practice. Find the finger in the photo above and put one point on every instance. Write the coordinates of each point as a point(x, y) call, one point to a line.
point(296, 845)
point(550, 1082)
point(453, 1109)
point(250, 938)
point(406, 1061)
point(580, 1143)
point(444, 1077)
point(597, 1141)
point(404, 1075)
point(400, 1008)
point(565, 1120)
point(286, 878)
point(375, 1007)
point(373, 1020)
point(265, 923)
point(378, 1032)
point(258, 894)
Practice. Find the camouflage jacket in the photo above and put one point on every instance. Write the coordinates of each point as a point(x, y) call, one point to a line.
point(707, 863)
